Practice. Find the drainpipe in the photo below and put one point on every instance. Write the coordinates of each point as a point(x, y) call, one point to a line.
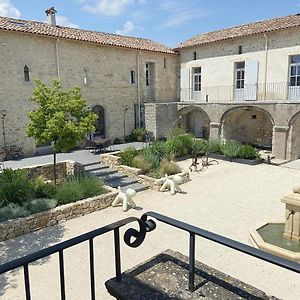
point(138, 87)
point(266, 66)
point(57, 59)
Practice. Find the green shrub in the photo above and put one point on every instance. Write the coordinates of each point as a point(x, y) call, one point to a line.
point(12, 211)
point(159, 148)
point(15, 187)
point(231, 149)
point(130, 138)
point(142, 163)
point(128, 155)
point(38, 205)
point(139, 134)
point(179, 146)
point(199, 148)
point(214, 147)
point(118, 141)
point(174, 132)
point(42, 189)
point(248, 152)
point(151, 157)
point(69, 191)
point(92, 186)
point(169, 168)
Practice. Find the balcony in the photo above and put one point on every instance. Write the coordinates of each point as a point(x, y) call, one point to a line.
point(253, 92)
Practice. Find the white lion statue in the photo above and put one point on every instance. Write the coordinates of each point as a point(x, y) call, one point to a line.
point(125, 198)
point(172, 184)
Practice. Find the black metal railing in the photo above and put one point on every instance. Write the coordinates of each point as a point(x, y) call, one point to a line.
point(135, 238)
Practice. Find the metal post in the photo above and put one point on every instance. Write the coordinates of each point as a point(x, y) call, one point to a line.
point(192, 263)
point(117, 254)
point(62, 276)
point(92, 270)
point(27, 285)
point(3, 115)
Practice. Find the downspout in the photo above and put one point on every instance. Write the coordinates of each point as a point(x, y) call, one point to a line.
point(266, 66)
point(57, 59)
point(138, 87)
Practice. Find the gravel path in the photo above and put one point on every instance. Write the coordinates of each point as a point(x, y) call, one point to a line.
point(229, 199)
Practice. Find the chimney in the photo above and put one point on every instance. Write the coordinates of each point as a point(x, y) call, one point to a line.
point(50, 12)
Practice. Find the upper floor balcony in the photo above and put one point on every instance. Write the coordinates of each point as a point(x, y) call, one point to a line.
point(252, 92)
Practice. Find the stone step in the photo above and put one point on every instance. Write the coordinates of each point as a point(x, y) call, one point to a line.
point(102, 172)
point(125, 181)
point(94, 167)
point(138, 187)
point(113, 176)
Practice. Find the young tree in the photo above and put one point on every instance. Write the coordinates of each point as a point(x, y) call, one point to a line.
point(61, 117)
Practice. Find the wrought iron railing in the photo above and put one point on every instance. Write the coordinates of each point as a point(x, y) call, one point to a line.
point(135, 238)
point(250, 92)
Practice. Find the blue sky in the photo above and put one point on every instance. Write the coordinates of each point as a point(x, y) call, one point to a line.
point(166, 21)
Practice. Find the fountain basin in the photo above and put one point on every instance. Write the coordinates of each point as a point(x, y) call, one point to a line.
point(269, 237)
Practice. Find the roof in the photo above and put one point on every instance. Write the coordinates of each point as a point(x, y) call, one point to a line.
point(243, 31)
point(44, 29)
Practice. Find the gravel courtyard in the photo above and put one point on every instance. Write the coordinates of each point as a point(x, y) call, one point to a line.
point(229, 199)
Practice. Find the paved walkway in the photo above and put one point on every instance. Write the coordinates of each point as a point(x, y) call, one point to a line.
point(229, 199)
point(295, 164)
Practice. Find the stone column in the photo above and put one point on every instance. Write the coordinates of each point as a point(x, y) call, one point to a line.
point(150, 118)
point(214, 133)
point(279, 141)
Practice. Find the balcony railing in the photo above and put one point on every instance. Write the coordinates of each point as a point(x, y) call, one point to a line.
point(250, 92)
point(134, 238)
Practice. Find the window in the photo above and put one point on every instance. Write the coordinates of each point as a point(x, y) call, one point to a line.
point(165, 63)
point(132, 77)
point(197, 79)
point(240, 49)
point(26, 73)
point(239, 75)
point(295, 70)
point(195, 55)
point(147, 74)
point(85, 78)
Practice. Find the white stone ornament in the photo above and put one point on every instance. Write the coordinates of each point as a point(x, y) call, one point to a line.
point(172, 184)
point(125, 198)
point(296, 189)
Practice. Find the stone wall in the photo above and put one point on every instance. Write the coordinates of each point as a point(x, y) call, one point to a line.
point(113, 161)
point(14, 228)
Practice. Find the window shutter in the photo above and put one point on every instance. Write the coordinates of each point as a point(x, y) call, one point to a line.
point(184, 84)
point(251, 80)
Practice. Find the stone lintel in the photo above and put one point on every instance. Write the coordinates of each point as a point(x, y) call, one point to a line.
point(293, 199)
point(281, 128)
point(215, 125)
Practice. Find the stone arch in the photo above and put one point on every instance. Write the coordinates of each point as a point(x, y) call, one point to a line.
point(100, 123)
point(293, 144)
point(249, 125)
point(195, 120)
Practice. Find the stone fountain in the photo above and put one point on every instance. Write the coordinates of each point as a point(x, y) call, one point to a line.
point(279, 238)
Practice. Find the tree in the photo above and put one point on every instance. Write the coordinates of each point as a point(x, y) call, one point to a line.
point(61, 117)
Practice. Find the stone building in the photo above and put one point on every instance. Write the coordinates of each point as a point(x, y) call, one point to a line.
point(240, 83)
point(117, 74)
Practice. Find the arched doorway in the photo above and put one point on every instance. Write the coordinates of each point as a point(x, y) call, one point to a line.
point(195, 120)
point(100, 123)
point(248, 125)
point(294, 137)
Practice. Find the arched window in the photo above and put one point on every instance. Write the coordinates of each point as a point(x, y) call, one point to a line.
point(100, 123)
point(26, 73)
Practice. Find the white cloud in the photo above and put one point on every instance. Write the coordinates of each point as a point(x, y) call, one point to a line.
point(128, 27)
point(63, 21)
point(108, 7)
point(179, 12)
point(8, 10)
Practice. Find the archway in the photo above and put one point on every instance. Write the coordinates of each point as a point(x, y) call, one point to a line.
point(248, 125)
point(195, 120)
point(294, 137)
point(100, 123)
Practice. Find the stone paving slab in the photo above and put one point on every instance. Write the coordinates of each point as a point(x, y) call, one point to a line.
point(166, 276)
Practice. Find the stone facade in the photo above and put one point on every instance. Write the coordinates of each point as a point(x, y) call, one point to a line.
point(13, 228)
point(108, 79)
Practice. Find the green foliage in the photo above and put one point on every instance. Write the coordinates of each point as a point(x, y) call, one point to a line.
point(199, 148)
point(159, 149)
point(151, 157)
point(248, 152)
point(128, 155)
point(92, 186)
point(169, 168)
point(214, 147)
point(139, 134)
point(180, 145)
point(42, 189)
point(118, 141)
point(130, 138)
point(12, 211)
point(177, 131)
point(15, 187)
point(60, 116)
point(142, 163)
point(38, 205)
point(69, 191)
point(231, 149)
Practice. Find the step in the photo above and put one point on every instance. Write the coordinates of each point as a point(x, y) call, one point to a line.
point(94, 167)
point(102, 172)
point(122, 182)
point(112, 177)
point(138, 187)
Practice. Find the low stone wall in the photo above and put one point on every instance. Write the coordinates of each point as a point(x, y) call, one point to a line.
point(14, 228)
point(63, 169)
point(113, 161)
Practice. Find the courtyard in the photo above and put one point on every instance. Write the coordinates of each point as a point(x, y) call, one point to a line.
point(229, 199)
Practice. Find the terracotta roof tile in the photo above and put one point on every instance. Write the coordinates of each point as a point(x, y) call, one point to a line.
point(102, 38)
point(243, 30)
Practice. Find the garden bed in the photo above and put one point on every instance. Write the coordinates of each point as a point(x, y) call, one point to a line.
point(249, 162)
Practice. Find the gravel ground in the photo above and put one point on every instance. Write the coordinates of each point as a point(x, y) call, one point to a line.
point(229, 199)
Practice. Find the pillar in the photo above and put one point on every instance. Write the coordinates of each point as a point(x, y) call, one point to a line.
point(214, 133)
point(279, 141)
